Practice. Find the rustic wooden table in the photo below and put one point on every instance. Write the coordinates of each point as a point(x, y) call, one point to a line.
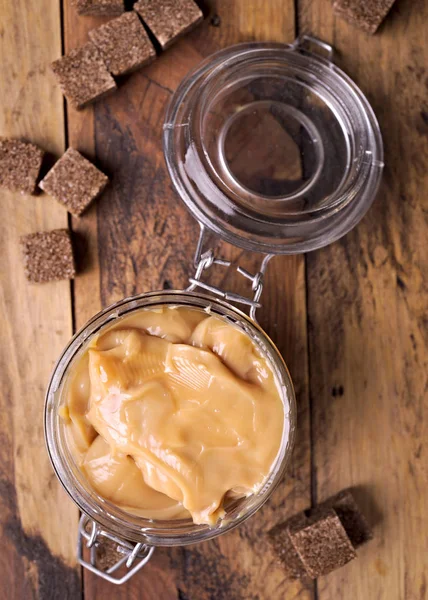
point(350, 320)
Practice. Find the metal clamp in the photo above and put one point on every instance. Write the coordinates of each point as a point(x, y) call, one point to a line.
point(306, 41)
point(94, 540)
point(204, 260)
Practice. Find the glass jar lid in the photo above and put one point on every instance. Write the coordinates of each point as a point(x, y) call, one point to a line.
point(273, 147)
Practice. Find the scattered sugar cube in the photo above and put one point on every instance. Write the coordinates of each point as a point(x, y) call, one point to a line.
point(169, 19)
point(98, 8)
point(123, 44)
point(365, 15)
point(20, 164)
point(48, 256)
point(83, 76)
point(322, 544)
point(74, 181)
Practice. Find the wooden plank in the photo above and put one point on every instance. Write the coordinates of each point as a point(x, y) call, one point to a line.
point(81, 136)
point(139, 250)
point(38, 522)
point(367, 309)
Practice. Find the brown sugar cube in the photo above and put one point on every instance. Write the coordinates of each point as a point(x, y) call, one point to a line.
point(354, 523)
point(98, 8)
point(352, 532)
point(83, 76)
point(169, 19)
point(74, 181)
point(20, 164)
point(123, 44)
point(48, 256)
point(363, 14)
point(287, 556)
point(322, 545)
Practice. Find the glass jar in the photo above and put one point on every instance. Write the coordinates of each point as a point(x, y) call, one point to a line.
point(108, 517)
point(277, 151)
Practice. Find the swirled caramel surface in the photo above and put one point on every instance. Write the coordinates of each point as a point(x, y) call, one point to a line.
point(171, 411)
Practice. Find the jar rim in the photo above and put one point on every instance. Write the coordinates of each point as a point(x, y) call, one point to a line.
point(105, 513)
point(207, 193)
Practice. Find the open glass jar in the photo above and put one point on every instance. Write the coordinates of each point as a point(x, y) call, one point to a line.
point(109, 518)
point(277, 151)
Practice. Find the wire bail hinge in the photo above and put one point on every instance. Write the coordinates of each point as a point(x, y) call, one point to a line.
point(135, 556)
point(205, 260)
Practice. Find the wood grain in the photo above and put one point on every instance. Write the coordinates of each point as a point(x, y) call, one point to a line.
point(80, 135)
point(38, 522)
point(146, 240)
point(366, 310)
point(368, 319)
